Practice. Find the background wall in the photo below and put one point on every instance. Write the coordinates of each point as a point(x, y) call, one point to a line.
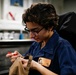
point(69, 5)
point(15, 10)
point(61, 6)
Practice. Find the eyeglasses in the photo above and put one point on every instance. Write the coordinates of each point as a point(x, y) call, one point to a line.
point(34, 31)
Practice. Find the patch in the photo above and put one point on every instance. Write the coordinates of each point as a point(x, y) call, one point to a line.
point(44, 61)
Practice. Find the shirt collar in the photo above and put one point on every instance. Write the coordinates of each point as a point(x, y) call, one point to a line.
point(52, 42)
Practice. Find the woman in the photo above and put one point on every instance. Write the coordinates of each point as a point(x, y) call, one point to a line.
point(51, 54)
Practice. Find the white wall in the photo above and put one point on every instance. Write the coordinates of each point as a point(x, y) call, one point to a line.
point(69, 5)
point(6, 22)
point(0, 9)
point(15, 10)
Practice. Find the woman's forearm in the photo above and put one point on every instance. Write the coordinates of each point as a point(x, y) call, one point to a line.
point(43, 70)
point(35, 65)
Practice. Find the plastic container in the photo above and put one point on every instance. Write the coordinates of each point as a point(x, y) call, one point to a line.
point(21, 36)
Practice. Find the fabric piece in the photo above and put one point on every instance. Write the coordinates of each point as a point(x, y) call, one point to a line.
point(17, 68)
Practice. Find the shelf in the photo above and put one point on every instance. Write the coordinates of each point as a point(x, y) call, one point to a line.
point(11, 25)
point(6, 43)
point(22, 40)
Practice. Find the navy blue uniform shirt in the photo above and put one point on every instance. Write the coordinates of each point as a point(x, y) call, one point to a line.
point(59, 51)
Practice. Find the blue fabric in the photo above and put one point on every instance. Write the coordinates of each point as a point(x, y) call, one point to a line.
point(58, 50)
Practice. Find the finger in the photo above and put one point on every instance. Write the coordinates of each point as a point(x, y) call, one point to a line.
point(8, 55)
point(16, 52)
point(25, 65)
point(12, 60)
point(23, 60)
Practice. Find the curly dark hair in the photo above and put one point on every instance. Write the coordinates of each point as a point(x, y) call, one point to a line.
point(41, 13)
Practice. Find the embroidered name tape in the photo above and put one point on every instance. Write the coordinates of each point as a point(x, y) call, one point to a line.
point(44, 61)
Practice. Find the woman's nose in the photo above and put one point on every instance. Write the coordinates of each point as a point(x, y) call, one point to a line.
point(32, 35)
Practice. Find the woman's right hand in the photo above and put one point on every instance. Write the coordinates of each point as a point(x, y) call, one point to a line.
point(13, 56)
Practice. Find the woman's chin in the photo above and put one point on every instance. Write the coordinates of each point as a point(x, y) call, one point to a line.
point(37, 40)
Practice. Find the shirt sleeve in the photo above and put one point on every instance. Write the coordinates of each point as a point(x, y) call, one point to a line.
point(67, 59)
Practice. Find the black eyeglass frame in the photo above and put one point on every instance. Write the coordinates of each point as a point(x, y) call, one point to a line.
point(33, 30)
